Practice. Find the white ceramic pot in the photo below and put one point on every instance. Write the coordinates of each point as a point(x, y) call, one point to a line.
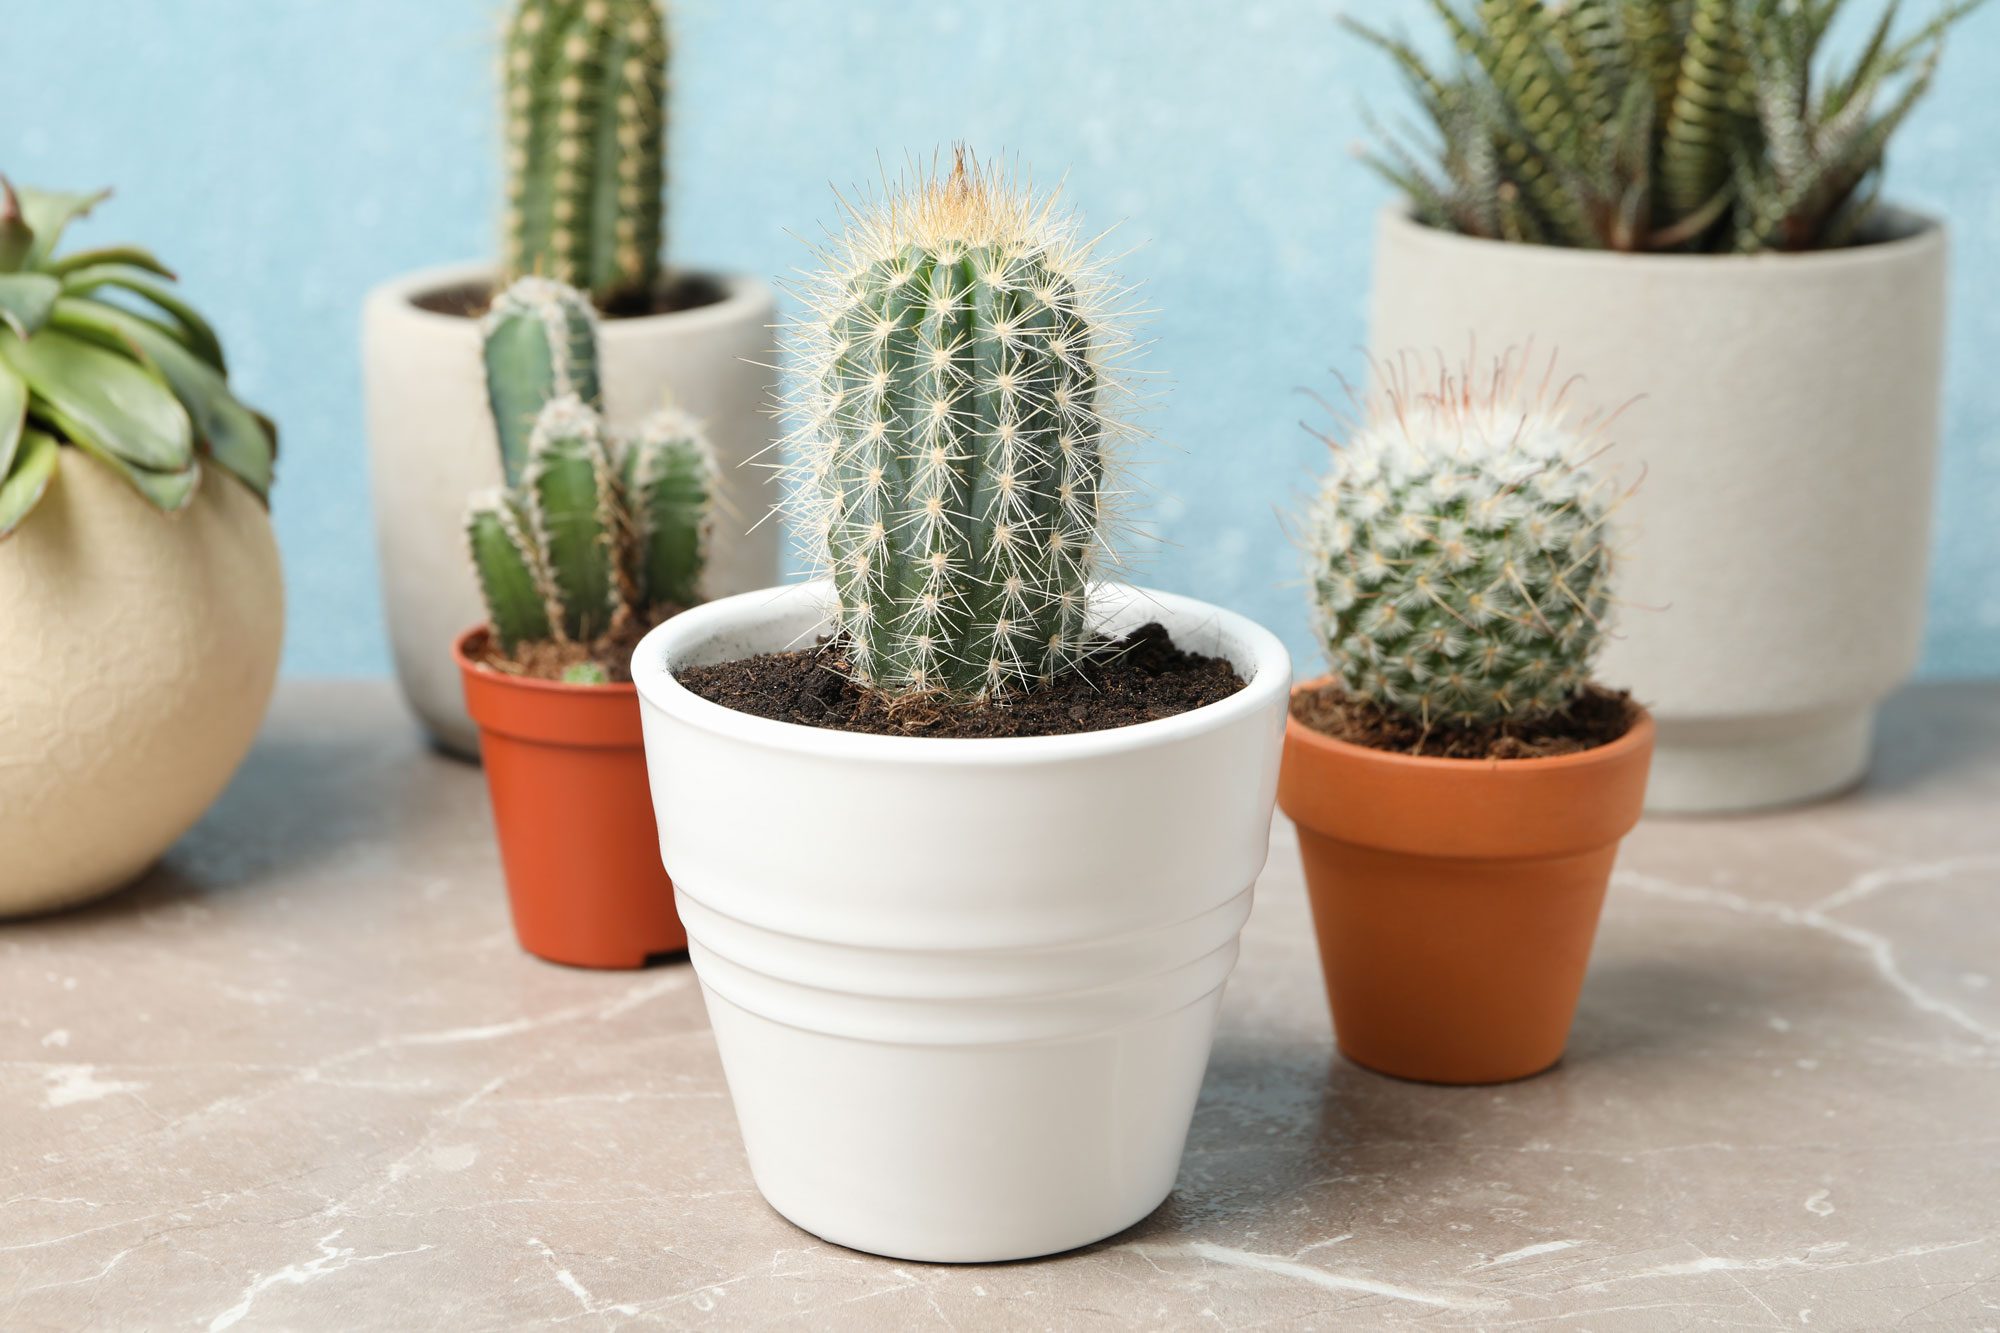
point(963, 990)
point(136, 661)
point(432, 445)
point(1786, 419)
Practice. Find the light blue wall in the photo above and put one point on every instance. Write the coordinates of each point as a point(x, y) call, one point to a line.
point(286, 154)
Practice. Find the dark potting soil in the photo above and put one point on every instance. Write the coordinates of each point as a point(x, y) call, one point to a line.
point(548, 660)
point(1596, 717)
point(1140, 678)
point(470, 300)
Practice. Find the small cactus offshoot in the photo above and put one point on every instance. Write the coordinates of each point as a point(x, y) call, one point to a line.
point(595, 537)
point(540, 345)
point(586, 110)
point(957, 414)
point(1458, 555)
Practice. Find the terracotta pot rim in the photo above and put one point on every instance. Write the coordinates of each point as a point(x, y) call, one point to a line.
point(529, 684)
point(1638, 735)
point(1914, 230)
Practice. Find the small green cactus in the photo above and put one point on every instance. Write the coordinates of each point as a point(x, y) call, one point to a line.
point(1458, 558)
point(540, 345)
point(956, 420)
point(593, 536)
point(668, 478)
point(586, 109)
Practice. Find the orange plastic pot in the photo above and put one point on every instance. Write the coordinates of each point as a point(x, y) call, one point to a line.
point(566, 770)
point(1455, 900)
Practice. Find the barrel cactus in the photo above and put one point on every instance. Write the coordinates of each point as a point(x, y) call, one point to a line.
point(140, 388)
point(1458, 555)
point(957, 417)
point(586, 109)
point(595, 536)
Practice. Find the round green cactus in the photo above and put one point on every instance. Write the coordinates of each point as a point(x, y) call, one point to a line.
point(957, 412)
point(1458, 554)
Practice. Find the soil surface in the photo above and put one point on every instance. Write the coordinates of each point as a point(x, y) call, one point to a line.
point(548, 660)
point(1596, 717)
point(470, 300)
point(1140, 678)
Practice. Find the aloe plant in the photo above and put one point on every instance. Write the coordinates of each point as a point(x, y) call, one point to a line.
point(956, 413)
point(1660, 125)
point(595, 534)
point(137, 383)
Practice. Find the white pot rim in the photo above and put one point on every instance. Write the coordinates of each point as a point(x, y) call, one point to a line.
point(744, 295)
point(1260, 658)
point(1912, 231)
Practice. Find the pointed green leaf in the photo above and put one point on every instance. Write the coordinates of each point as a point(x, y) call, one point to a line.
point(228, 430)
point(201, 339)
point(166, 491)
point(25, 299)
point(22, 487)
point(102, 401)
point(13, 415)
point(16, 236)
point(132, 256)
point(47, 213)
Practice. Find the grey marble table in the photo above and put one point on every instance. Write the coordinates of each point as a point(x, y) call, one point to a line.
point(302, 1078)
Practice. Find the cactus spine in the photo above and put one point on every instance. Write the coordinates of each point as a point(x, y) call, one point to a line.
point(593, 536)
point(956, 421)
point(1458, 556)
point(586, 109)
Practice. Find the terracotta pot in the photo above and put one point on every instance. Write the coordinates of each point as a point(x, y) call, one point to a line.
point(566, 769)
point(1455, 900)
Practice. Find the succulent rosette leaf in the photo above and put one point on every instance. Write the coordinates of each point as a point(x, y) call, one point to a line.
point(99, 352)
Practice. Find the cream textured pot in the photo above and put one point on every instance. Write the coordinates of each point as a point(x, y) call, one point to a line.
point(1785, 412)
point(432, 446)
point(963, 990)
point(136, 661)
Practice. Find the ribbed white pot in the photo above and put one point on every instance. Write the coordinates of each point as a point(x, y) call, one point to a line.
point(963, 990)
point(137, 654)
point(1784, 410)
point(432, 445)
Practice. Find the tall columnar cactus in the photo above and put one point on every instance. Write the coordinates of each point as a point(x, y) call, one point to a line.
point(593, 536)
point(1458, 557)
point(586, 145)
point(540, 345)
point(956, 410)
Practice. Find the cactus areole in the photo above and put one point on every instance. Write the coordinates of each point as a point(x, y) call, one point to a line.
point(956, 409)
